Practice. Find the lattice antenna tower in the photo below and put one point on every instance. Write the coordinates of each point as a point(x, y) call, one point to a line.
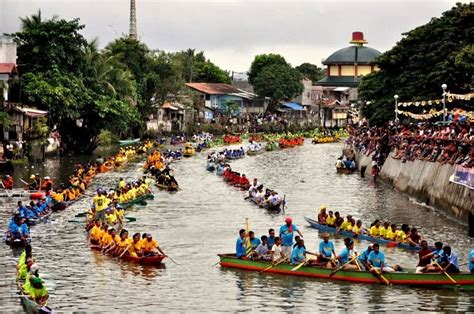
point(133, 21)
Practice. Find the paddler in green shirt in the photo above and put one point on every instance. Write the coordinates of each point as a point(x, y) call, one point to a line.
point(36, 290)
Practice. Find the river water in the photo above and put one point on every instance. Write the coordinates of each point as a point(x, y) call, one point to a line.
point(203, 219)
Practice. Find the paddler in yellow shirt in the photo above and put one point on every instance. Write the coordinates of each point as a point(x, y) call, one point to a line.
point(122, 184)
point(137, 245)
point(346, 223)
point(331, 219)
point(110, 217)
point(383, 230)
point(358, 229)
point(375, 229)
point(390, 235)
point(401, 234)
point(123, 244)
point(96, 233)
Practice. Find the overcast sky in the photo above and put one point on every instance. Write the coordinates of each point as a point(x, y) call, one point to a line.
point(232, 32)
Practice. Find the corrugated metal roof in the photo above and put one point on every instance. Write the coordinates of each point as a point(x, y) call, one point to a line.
point(353, 54)
point(7, 68)
point(220, 89)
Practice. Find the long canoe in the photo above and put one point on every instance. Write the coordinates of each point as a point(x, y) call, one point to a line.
point(141, 200)
point(155, 260)
point(169, 188)
point(256, 152)
point(269, 207)
point(345, 170)
point(129, 142)
point(406, 246)
point(465, 281)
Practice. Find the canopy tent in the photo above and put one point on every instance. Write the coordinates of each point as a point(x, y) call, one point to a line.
point(293, 106)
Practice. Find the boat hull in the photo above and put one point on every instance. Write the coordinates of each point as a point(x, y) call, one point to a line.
point(345, 170)
point(428, 280)
point(155, 260)
point(365, 237)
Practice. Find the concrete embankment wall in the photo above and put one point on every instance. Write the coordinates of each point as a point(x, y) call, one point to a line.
point(428, 182)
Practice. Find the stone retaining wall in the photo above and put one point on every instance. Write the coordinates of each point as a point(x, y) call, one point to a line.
point(428, 182)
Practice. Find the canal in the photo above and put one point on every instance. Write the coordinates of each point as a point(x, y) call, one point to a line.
point(203, 219)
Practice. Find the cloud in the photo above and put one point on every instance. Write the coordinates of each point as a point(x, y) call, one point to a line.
point(231, 32)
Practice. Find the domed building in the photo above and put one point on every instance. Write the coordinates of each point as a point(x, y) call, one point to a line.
point(335, 93)
point(346, 66)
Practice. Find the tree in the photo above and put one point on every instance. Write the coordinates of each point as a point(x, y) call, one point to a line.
point(311, 71)
point(43, 44)
point(262, 61)
point(208, 72)
point(279, 82)
point(415, 68)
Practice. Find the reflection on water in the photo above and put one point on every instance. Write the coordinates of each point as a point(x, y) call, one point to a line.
point(203, 219)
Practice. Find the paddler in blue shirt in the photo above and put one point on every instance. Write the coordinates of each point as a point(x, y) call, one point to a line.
point(326, 251)
point(298, 255)
point(240, 247)
point(450, 261)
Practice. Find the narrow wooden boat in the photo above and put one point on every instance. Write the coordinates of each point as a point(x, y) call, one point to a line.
point(155, 260)
point(388, 243)
point(129, 142)
point(141, 200)
point(16, 243)
point(345, 170)
point(169, 188)
point(269, 207)
point(465, 281)
point(255, 152)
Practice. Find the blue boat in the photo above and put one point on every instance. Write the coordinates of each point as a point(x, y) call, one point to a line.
point(316, 225)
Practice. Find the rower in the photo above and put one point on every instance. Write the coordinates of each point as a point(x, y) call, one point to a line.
point(8, 182)
point(298, 255)
point(137, 245)
point(276, 253)
point(286, 234)
point(345, 254)
point(346, 223)
point(253, 188)
point(36, 290)
point(47, 184)
point(271, 238)
point(22, 210)
point(375, 229)
point(339, 220)
point(331, 219)
point(123, 244)
point(274, 199)
point(376, 259)
point(401, 234)
point(240, 246)
point(449, 261)
point(244, 182)
point(100, 204)
point(17, 228)
point(262, 249)
point(326, 250)
point(364, 256)
point(121, 184)
point(413, 237)
point(150, 246)
point(254, 242)
point(357, 228)
point(424, 258)
point(391, 233)
point(96, 233)
point(383, 230)
point(322, 216)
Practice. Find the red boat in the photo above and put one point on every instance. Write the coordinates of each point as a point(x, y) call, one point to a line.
point(230, 139)
point(154, 260)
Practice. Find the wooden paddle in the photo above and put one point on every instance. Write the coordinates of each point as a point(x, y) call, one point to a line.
point(284, 202)
point(306, 260)
point(126, 249)
point(341, 267)
point(273, 265)
point(444, 272)
point(379, 275)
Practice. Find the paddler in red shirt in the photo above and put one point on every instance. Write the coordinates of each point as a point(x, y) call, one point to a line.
point(244, 182)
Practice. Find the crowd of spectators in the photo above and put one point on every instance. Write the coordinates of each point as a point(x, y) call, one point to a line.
point(451, 143)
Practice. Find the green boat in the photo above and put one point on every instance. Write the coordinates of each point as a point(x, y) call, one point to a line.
point(30, 306)
point(464, 281)
point(141, 200)
point(271, 146)
point(129, 142)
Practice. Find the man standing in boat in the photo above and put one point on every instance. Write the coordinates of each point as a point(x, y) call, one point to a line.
point(287, 232)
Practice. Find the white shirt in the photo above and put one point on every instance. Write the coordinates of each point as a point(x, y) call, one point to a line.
point(277, 253)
